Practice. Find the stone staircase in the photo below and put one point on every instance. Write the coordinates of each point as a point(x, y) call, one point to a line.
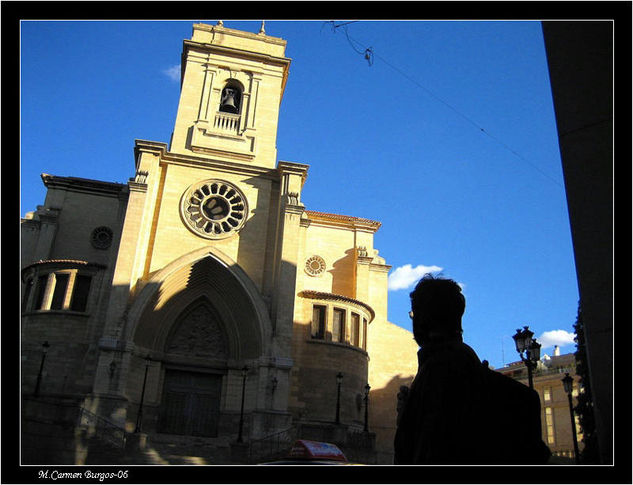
point(162, 449)
point(272, 447)
point(61, 432)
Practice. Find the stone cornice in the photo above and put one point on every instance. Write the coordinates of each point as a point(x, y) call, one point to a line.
point(60, 264)
point(155, 147)
point(167, 157)
point(339, 220)
point(296, 210)
point(235, 52)
point(136, 187)
point(295, 168)
point(241, 33)
point(364, 260)
point(36, 223)
point(381, 268)
point(321, 295)
point(75, 184)
point(47, 215)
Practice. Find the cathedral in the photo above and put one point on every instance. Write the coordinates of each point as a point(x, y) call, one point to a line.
point(201, 311)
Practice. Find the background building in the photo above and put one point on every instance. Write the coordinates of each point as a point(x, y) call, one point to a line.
point(555, 416)
point(201, 305)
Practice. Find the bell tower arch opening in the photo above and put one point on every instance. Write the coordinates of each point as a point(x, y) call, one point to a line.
point(231, 97)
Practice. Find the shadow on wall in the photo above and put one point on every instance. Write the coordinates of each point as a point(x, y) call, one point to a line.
point(383, 404)
point(254, 252)
point(342, 272)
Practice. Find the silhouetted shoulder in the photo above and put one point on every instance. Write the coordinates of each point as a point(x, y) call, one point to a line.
point(506, 393)
point(510, 385)
point(451, 353)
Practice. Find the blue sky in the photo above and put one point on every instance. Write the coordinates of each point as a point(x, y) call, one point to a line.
point(446, 135)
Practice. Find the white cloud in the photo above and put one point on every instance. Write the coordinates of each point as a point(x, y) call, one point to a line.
point(556, 337)
point(406, 276)
point(173, 72)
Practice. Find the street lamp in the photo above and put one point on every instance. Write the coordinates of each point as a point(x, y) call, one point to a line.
point(339, 381)
point(532, 349)
point(45, 347)
point(366, 429)
point(568, 382)
point(522, 339)
point(273, 386)
point(244, 374)
point(139, 417)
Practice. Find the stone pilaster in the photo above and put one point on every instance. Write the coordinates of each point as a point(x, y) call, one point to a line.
point(292, 178)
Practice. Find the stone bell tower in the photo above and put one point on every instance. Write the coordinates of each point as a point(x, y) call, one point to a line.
point(232, 83)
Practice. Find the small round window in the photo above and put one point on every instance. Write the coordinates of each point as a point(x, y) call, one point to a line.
point(101, 237)
point(315, 265)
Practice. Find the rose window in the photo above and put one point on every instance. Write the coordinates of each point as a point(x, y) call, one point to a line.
point(214, 209)
point(315, 265)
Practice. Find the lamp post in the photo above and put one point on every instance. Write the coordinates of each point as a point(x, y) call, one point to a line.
point(273, 386)
point(45, 347)
point(366, 428)
point(532, 349)
point(339, 380)
point(568, 382)
point(139, 417)
point(244, 374)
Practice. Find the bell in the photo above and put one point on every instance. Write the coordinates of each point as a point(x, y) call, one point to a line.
point(228, 101)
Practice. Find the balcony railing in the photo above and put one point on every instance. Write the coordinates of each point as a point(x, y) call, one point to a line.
point(227, 123)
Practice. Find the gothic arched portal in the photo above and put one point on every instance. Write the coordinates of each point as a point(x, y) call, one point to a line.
point(200, 320)
point(205, 275)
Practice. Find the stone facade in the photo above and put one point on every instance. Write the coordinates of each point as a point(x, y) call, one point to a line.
point(202, 297)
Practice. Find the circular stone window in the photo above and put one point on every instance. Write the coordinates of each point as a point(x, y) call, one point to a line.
point(101, 237)
point(315, 265)
point(214, 209)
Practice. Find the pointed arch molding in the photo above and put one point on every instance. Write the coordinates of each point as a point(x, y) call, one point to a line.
point(202, 277)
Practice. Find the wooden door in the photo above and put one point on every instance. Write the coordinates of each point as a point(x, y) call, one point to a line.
point(191, 403)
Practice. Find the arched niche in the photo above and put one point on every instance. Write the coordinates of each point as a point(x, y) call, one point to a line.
point(231, 98)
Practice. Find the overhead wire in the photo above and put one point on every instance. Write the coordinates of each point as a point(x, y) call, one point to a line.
point(369, 54)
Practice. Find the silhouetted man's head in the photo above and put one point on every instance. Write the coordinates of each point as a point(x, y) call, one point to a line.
point(437, 306)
